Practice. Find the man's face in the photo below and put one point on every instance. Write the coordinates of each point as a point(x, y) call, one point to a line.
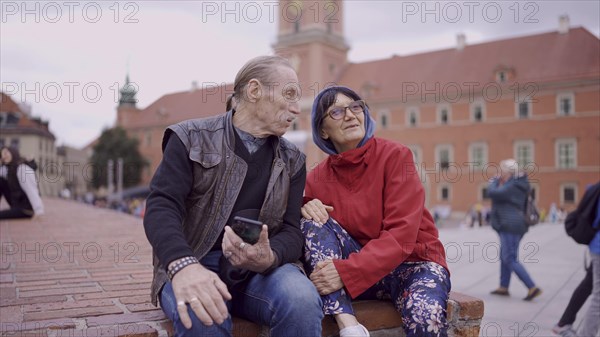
point(278, 105)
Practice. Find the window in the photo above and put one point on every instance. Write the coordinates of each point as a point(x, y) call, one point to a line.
point(478, 154)
point(534, 191)
point(297, 26)
point(523, 152)
point(524, 110)
point(501, 76)
point(444, 193)
point(477, 112)
point(416, 152)
point(412, 117)
point(483, 193)
point(565, 104)
point(384, 119)
point(443, 156)
point(566, 153)
point(568, 194)
point(443, 114)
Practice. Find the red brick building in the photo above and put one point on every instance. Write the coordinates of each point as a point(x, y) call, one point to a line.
point(461, 110)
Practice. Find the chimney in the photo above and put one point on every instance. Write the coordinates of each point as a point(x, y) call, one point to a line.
point(563, 24)
point(194, 86)
point(461, 41)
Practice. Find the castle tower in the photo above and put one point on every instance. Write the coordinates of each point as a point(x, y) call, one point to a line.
point(311, 36)
point(127, 102)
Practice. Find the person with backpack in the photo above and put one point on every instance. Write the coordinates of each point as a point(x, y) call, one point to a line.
point(509, 192)
point(583, 225)
point(579, 225)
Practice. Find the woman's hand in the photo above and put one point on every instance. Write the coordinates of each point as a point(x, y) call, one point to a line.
point(317, 211)
point(326, 278)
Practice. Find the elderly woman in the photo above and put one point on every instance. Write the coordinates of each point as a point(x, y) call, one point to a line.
point(18, 186)
point(508, 193)
point(368, 234)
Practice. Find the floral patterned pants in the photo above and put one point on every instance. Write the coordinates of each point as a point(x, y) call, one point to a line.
point(419, 290)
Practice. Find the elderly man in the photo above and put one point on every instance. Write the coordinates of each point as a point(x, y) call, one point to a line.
point(212, 170)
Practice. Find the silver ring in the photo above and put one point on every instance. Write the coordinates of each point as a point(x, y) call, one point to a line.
point(228, 254)
point(180, 303)
point(242, 245)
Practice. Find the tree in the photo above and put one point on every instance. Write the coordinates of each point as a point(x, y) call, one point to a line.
point(114, 144)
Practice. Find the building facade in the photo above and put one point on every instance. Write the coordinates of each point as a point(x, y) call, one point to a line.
point(34, 140)
point(460, 110)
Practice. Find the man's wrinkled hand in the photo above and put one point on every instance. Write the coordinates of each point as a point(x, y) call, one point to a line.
point(205, 293)
point(257, 257)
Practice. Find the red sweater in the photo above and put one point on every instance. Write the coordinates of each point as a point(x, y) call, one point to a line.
point(378, 198)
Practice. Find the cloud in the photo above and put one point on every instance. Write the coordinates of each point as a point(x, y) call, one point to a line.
point(166, 45)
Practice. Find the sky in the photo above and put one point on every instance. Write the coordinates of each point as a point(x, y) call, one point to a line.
point(67, 59)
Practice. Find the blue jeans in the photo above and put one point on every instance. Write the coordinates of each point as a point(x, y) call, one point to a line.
point(285, 300)
point(509, 260)
point(418, 290)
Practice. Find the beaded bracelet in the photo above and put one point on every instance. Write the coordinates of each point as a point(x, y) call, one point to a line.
point(176, 267)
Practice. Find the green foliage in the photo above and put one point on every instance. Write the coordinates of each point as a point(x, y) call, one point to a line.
point(114, 144)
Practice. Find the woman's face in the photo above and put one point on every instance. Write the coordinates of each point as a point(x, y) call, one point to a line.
point(6, 156)
point(347, 132)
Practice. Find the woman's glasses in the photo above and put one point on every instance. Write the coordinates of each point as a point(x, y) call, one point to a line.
point(338, 113)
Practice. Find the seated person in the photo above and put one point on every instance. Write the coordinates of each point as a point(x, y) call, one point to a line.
point(367, 232)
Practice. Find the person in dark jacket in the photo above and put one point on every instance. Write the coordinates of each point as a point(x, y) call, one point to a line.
point(216, 168)
point(508, 193)
point(591, 325)
point(18, 185)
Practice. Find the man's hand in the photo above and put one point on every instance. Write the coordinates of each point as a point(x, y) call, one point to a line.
point(257, 257)
point(317, 211)
point(205, 293)
point(326, 278)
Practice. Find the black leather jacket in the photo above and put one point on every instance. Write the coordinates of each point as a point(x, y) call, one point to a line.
point(218, 174)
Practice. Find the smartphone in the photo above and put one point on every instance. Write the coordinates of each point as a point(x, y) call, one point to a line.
point(247, 229)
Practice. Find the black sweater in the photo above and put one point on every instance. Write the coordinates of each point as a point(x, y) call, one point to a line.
point(174, 176)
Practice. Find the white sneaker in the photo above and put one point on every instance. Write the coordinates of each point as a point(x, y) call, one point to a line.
point(564, 331)
point(354, 331)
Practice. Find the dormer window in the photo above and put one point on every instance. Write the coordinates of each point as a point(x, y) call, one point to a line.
point(501, 76)
point(503, 73)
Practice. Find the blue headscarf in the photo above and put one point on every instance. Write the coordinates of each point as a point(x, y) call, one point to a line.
point(317, 119)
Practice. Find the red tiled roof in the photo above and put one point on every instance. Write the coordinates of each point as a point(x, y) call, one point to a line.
point(7, 104)
point(24, 124)
point(179, 106)
point(537, 58)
